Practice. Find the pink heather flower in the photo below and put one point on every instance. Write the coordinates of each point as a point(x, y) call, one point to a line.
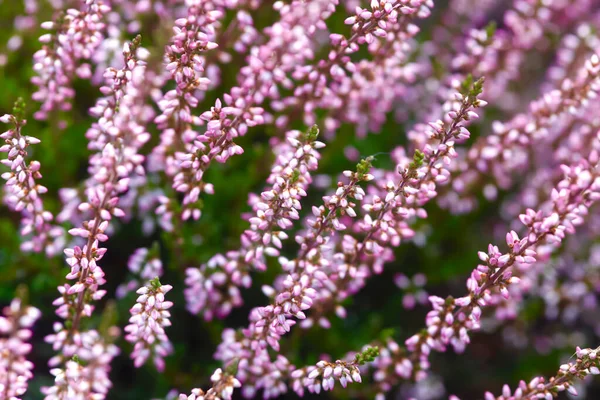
point(223, 385)
point(307, 273)
point(338, 85)
point(193, 35)
point(116, 139)
point(587, 363)
point(145, 265)
point(216, 290)
point(85, 376)
point(389, 207)
point(451, 320)
point(15, 331)
point(148, 319)
point(325, 374)
point(23, 191)
point(74, 38)
point(241, 108)
point(499, 157)
point(278, 206)
point(127, 90)
point(268, 324)
point(310, 268)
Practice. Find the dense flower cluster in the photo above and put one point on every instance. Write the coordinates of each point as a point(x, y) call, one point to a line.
point(274, 209)
point(15, 328)
point(73, 39)
point(267, 65)
point(483, 109)
point(116, 138)
point(85, 376)
point(23, 189)
point(325, 374)
point(451, 320)
point(149, 317)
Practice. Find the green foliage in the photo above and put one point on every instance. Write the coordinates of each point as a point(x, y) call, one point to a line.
point(470, 87)
point(417, 161)
point(366, 356)
point(19, 109)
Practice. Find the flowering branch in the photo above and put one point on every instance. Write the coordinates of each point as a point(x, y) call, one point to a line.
point(184, 62)
point(248, 349)
point(325, 373)
point(324, 84)
point(212, 291)
point(500, 155)
point(23, 192)
point(15, 369)
point(587, 363)
point(451, 320)
point(75, 38)
point(117, 137)
point(387, 212)
point(149, 317)
point(243, 104)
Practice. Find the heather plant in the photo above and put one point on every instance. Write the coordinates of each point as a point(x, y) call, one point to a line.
point(219, 199)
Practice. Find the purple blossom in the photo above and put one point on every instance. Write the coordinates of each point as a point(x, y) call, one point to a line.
point(23, 189)
point(87, 375)
point(15, 332)
point(149, 317)
point(500, 155)
point(325, 374)
point(74, 38)
point(116, 140)
point(242, 108)
point(298, 70)
point(216, 290)
point(451, 320)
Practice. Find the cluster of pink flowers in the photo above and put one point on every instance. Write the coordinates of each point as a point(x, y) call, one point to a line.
point(451, 320)
point(325, 374)
point(268, 64)
point(15, 328)
point(117, 138)
point(23, 189)
point(74, 38)
point(86, 375)
point(149, 317)
point(160, 127)
point(216, 291)
point(587, 363)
